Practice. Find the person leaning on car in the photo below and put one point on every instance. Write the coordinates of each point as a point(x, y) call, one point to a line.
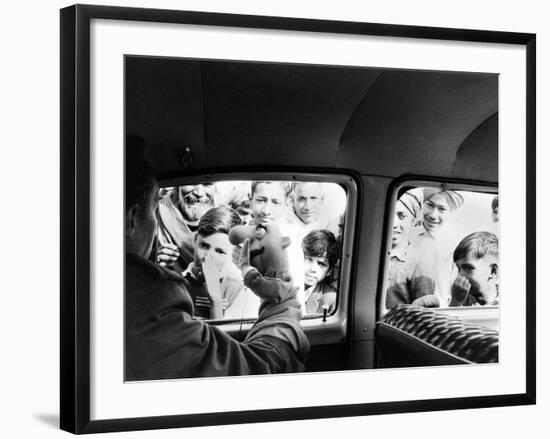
point(163, 340)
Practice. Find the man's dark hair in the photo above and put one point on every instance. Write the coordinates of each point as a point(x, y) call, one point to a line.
point(220, 219)
point(321, 243)
point(140, 180)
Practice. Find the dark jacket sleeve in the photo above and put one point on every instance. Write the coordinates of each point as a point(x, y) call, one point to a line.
point(164, 341)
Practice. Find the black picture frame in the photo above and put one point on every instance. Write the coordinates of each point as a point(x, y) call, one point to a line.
point(75, 217)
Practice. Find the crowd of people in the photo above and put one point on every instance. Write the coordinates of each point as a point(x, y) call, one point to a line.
point(427, 266)
point(193, 240)
point(184, 266)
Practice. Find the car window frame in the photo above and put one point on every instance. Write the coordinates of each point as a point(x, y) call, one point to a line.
point(413, 182)
point(319, 330)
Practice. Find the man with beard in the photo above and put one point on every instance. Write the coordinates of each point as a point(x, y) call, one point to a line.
point(179, 213)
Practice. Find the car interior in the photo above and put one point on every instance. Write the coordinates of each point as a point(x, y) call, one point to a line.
point(370, 132)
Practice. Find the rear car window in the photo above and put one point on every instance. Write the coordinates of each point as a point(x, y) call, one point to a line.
point(443, 249)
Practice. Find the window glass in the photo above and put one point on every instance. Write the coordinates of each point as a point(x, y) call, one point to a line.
point(443, 249)
point(194, 239)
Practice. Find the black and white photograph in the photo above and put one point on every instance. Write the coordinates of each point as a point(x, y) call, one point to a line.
point(274, 218)
point(248, 269)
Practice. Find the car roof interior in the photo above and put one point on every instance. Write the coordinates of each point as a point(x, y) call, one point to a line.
point(383, 122)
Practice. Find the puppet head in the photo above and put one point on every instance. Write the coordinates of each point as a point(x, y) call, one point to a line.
point(267, 248)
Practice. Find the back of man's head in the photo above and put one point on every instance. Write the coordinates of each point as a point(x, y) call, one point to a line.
point(139, 176)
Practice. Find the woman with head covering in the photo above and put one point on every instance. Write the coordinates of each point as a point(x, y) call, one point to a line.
point(410, 279)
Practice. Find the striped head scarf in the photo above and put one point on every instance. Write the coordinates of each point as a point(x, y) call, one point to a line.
point(412, 200)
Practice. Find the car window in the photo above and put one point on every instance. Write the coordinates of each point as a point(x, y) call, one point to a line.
point(443, 248)
point(194, 222)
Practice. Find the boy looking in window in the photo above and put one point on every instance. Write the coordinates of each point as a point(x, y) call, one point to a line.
point(270, 204)
point(320, 256)
point(213, 281)
point(269, 201)
point(476, 257)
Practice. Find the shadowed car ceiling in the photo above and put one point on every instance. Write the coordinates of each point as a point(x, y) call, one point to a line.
point(380, 122)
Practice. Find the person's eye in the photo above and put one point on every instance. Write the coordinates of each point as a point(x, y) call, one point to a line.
point(204, 246)
point(220, 251)
point(323, 264)
point(401, 216)
point(276, 202)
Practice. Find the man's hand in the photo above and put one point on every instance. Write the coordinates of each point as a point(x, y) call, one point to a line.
point(460, 290)
point(212, 275)
point(241, 256)
point(212, 278)
point(167, 255)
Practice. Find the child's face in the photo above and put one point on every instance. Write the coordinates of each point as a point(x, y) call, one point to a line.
point(269, 202)
point(482, 274)
point(217, 245)
point(436, 211)
point(316, 269)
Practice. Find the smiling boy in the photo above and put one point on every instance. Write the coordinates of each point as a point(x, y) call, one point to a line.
point(269, 201)
point(476, 257)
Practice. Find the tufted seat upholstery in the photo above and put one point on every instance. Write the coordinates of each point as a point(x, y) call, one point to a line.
point(410, 335)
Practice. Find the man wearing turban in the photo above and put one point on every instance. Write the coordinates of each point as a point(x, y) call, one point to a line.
point(438, 205)
point(432, 244)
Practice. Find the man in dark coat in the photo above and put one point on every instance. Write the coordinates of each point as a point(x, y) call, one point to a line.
point(163, 340)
